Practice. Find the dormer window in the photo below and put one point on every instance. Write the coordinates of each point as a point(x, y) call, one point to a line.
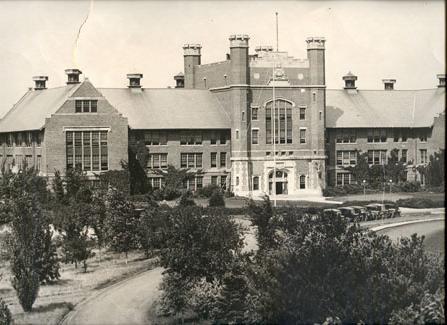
point(86, 106)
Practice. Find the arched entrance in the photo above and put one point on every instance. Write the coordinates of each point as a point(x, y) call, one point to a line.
point(281, 183)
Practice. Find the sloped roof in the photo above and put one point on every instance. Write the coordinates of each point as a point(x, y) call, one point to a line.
point(168, 108)
point(31, 110)
point(380, 108)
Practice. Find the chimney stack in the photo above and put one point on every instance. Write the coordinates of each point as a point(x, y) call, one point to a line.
point(441, 78)
point(73, 76)
point(179, 80)
point(350, 79)
point(134, 80)
point(389, 83)
point(40, 82)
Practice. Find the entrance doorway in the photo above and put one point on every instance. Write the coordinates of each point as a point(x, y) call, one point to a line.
point(281, 183)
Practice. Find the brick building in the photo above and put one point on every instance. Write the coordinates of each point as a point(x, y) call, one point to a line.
point(221, 119)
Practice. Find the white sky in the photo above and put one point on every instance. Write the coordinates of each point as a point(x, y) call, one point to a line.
point(404, 40)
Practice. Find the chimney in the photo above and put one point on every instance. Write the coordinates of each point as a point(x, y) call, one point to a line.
point(389, 83)
point(73, 76)
point(134, 80)
point(350, 79)
point(179, 80)
point(40, 82)
point(441, 78)
point(191, 57)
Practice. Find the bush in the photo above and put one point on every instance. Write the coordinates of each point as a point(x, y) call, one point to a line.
point(216, 199)
point(407, 187)
point(207, 191)
point(186, 200)
point(5, 314)
point(420, 203)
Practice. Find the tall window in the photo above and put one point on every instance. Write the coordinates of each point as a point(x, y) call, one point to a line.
point(346, 158)
point(254, 136)
point(254, 113)
point(302, 135)
point(302, 113)
point(214, 159)
point(191, 160)
point(377, 157)
point(223, 159)
point(302, 182)
point(214, 180)
point(282, 122)
point(255, 183)
point(86, 106)
point(158, 160)
point(87, 150)
point(423, 156)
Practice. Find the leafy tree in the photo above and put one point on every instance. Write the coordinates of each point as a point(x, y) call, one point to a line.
point(5, 314)
point(173, 180)
point(136, 167)
point(48, 265)
point(119, 179)
point(97, 218)
point(216, 199)
point(121, 222)
point(261, 216)
point(186, 200)
point(58, 187)
point(434, 171)
point(152, 229)
point(27, 230)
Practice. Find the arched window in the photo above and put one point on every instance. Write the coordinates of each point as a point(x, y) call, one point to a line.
point(280, 119)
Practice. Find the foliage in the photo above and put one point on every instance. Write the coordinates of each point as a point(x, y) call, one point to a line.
point(119, 179)
point(136, 167)
point(48, 265)
point(207, 191)
point(262, 217)
point(216, 199)
point(204, 298)
point(98, 216)
point(5, 314)
point(186, 200)
point(58, 187)
point(198, 247)
point(152, 227)
point(434, 171)
point(121, 222)
point(430, 310)
point(418, 203)
point(173, 180)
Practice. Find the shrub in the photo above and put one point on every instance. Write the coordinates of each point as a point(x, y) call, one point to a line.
point(5, 314)
point(420, 203)
point(207, 191)
point(216, 199)
point(411, 186)
point(186, 200)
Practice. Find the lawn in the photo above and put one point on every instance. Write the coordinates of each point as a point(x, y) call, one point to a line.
point(55, 300)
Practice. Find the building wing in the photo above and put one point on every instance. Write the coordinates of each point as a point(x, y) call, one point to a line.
point(379, 108)
point(168, 108)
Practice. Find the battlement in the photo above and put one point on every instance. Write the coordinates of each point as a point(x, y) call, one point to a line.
point(239, 40)
point(191, 49)
point(315, 43)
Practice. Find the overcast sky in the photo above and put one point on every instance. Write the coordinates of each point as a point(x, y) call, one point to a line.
point(374, 39)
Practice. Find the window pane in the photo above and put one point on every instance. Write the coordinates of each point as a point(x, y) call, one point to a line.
point(223, 159)
point(94, 106)
point(95, 150)
point(78, 106)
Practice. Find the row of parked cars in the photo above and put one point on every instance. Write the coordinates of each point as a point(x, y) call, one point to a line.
point(371, 211)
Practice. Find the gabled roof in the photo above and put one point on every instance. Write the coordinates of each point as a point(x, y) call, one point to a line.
point(31, 110)
point(383, 108)
point(168, 108)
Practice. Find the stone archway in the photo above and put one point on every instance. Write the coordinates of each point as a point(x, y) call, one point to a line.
point(278, 185)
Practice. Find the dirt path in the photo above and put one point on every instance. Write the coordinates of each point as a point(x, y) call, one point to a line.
point(124, 303)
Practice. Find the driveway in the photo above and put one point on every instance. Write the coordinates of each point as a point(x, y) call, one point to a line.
point(124, 303)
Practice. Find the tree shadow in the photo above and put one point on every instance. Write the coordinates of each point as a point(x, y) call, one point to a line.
point(52, 306)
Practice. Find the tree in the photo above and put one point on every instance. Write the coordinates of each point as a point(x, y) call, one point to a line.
point(121, 222)
point(97, 219)
point(434, 171)
point(152, 229)
point(58, 187)
point(216, 199)
point(5, 314)
point(136, 167)
point(262, 218)
point(186, 200)
point(173, 180)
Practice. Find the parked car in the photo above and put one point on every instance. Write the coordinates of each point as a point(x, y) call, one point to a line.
point(362, 212)
point(376, 210)
point(331, 212)
point(393, 210)
point(350, 214)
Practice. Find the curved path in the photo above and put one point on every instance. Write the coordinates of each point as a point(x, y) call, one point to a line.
point(128, 302)
point(123, 303)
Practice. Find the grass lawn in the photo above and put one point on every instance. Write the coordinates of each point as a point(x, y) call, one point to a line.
point(55, 300)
